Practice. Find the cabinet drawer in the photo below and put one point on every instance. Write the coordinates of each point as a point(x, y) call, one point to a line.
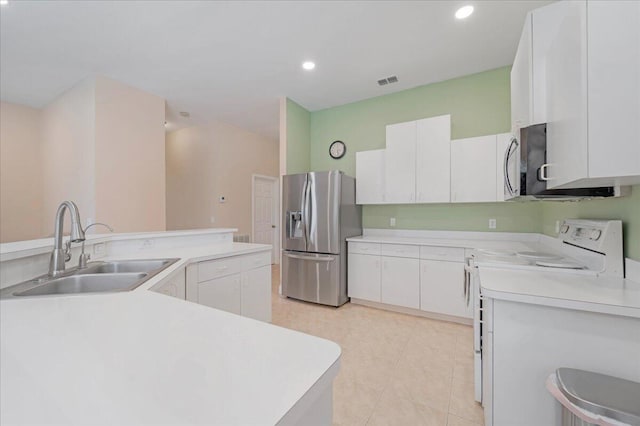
point(219, 268)
point(252, 261)
point(454, 254)
point(364, 248)
point(400, 250)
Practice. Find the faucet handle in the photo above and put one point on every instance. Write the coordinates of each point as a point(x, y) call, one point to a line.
point(67, 250)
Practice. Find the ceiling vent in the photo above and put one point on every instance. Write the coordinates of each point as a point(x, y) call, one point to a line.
point(388, 80)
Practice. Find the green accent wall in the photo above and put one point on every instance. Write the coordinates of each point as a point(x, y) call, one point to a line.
point(298, 142)
point(479, 104)
point(626, 209)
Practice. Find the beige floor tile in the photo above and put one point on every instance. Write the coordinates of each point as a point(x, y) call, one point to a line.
point(366, 368)
point(353, 402)
point(462, 402)
point(424, 386)
point(453, 420)
point(392, 410)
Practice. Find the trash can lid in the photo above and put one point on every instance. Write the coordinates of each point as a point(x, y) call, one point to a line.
point(612, 397)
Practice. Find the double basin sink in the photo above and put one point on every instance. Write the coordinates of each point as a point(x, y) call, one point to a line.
point(97, 277)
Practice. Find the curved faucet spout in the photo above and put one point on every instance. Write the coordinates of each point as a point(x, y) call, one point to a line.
point(56, 264)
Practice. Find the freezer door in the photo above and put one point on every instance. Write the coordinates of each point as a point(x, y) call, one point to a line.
point(323, 212)
point(294, 196)
point(312, 277)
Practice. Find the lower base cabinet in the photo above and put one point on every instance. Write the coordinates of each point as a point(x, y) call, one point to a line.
point(237, 284)
point(364, 277)
point(399, 282)
point(442, 288)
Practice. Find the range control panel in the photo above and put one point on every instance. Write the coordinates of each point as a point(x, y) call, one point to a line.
point(596, 235)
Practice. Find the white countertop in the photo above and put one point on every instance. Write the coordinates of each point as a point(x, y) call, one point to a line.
point(142, 357)
point(145, 358)
point(608, 295)
point(449, 242)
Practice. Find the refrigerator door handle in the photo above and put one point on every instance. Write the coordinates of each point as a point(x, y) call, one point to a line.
point(313, 258)
point(306, 214)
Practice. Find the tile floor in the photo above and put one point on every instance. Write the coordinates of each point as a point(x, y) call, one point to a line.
point(396, 369)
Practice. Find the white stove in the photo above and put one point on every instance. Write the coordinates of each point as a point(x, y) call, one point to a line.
point(582, 247)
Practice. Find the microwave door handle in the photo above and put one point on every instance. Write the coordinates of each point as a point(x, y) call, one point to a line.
point(507, 156)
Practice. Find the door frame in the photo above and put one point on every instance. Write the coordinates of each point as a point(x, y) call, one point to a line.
point(275, 249)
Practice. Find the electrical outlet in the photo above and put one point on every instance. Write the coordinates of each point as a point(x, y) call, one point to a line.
point(392, 221)
point(99, 250)
point(212, 219)
point(492, 224)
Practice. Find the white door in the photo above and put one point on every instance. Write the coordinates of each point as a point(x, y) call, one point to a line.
point(256, 294)
point(433, 160)
point(400, 282)
point(521, 80)
point(265, 214)
point(442, 288)
point(400, 163)
point(364, 277)
point(473, 169)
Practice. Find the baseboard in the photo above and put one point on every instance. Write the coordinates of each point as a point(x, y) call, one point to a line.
point(410, 311)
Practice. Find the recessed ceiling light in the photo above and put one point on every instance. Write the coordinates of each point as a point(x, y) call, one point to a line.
point(4, 2)
point(464, 12)
point(308, 65)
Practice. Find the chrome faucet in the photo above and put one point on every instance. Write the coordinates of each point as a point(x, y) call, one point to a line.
point(84, 257)
point(58, 258)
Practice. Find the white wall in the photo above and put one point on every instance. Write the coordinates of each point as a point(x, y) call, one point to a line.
point(206, 162)
point(129, 157)
point(20, 173)
point(68, 153)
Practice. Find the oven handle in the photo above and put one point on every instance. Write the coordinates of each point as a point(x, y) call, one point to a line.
point(468, 270)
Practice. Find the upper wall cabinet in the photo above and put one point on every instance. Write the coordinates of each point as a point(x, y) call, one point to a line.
point(577, 68)
point(370, 177)
point(400, 163)
point(473, 170)
point(433, 158)
point(414, 167)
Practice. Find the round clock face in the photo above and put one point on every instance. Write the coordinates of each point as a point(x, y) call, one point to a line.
point(337, 149)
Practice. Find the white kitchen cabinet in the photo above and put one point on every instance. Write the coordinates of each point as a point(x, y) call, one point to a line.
point(239, 284)
point(473, 169)
point(370, 177)
point(400, 163)
point(502, 143)
point(577, 69)
point(442, 288)
point(221, 293)
point(400, 282)
point(364, 277)
point(173, 286)
point(521, 80)
point(256, 288)
point(433, 158)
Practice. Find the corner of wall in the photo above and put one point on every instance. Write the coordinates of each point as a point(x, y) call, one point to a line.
point(298, 138)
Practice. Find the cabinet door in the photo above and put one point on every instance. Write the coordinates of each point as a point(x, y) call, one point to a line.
point(566, 96)
point(256, 294)
point(174, 286)
point(370, 177)
point(473, 169)
point(221, 293)
point(614, 89)
point(363, 281)
point(521, 80)
point(400, 282)
point(400, 163)
point(502, 143)
point(442, 288)
point(433, 160)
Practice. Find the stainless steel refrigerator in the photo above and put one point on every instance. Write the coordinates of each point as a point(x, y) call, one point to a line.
point(320, 212)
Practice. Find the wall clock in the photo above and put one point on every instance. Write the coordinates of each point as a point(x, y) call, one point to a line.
point(337, 149)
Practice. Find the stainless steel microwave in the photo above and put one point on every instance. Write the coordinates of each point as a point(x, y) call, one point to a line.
point(525, 170)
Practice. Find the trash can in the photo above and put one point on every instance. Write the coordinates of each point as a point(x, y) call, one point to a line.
point(593, 399)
